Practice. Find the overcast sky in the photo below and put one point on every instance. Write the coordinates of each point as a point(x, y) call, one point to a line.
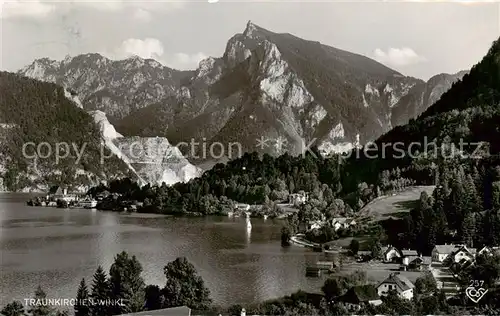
point(417, 39)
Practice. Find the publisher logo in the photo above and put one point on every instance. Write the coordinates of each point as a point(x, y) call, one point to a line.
point(476, 291)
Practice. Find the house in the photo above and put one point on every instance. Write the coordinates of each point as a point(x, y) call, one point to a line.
point(359, 295)
point(399, 283)
point(391, 254)
point(416, 263)
point(61, 193)
point(173, 311)
point(297, 198)
point(242, 207)
point(102, 195)
point(314, 225)
point(441, 252)
point(342, 222)
point(462, 253)
point(490, 251)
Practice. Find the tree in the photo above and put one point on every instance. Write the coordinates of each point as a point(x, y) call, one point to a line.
point(184, 286)
point(127, 284)
point(100, 293)
point(468, 229)
point(354, 246)
point(15, 308)
point(426, 284)
point(154, 297)
point(82, 300)
point(40, 309)
point(332, 288)
point(376, 249)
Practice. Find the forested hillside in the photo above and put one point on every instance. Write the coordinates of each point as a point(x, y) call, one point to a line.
point(468, 113)
point(36, 112)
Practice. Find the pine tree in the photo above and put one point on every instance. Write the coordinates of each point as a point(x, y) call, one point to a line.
point(100, 294)
point(82, 300)
point(127, 284)
point(468, 230)
point(473, 202)
point(456, 205)
point(40, 309)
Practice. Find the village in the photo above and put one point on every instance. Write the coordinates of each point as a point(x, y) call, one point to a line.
point(398, 270)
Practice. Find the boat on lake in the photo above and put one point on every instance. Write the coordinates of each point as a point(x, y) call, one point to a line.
point(87, 203)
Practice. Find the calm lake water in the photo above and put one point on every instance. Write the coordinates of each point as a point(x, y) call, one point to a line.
point(55, 248)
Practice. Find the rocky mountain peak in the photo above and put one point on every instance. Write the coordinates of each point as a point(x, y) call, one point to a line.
point(250, 29)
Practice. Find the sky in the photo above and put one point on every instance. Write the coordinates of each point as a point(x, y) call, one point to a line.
point(418, 39)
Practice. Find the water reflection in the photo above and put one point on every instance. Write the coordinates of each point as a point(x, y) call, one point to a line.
point(248, 231)
point(108, 240)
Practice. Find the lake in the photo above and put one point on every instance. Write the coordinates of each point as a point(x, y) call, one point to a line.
point(56, 248)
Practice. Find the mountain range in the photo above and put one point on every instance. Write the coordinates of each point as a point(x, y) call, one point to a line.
point(266, 85)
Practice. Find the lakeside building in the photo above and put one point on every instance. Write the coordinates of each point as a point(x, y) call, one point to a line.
point(61, 193)
point(298, 198)
point(342, 222)
point(242, 207)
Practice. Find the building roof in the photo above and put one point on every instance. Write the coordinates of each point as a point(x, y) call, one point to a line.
point(402, 283)
point(414, 259)
point(340, 220)
point(56, 190)
point(173, 311)
point(386, 249)
point(464, 248)
point(445, 249)
point(360, 293)
point(409, 252)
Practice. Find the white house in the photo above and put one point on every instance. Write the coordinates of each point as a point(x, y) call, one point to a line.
point(297, 198)
point(399, 283)
point(342, 222)
point(391, 253)
point(242, 207)
point(463, 253)
point(314, 225)
point(441, 252)
point(60, 193)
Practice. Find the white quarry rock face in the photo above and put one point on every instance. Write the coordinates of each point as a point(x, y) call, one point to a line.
point(107, 130)
point(73, 98)
point(156, 160)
